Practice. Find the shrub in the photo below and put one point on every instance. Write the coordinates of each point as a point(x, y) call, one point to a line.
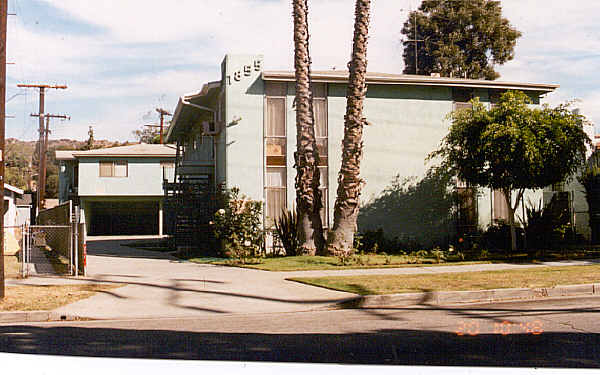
point(286, 232)
point(547, 227)
point(376, 241)
point(238, 226)
point(497, 237)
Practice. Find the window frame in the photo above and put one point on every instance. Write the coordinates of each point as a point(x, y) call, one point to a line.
point(113, 168)
point(276, 92)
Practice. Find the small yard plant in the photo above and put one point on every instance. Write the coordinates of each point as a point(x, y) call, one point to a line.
point(286, 232)
point(238, 227)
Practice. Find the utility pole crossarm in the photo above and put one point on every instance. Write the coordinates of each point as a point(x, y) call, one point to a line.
point(42, 86)
point(42, 143)
point(48, 115)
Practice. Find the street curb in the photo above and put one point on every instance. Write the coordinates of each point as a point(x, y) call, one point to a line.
point(482, 296)
point(33, 316)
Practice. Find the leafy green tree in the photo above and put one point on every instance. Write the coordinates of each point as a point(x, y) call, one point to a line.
point(513, 147)
point(146, 134)
point(459, 38)
point(51, 186)
point(15, 177)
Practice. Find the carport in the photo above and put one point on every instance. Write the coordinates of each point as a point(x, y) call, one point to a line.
point(123, 218)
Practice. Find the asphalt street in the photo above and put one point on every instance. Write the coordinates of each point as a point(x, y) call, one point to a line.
point(546, 333)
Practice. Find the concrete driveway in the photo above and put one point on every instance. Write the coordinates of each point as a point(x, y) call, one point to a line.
point(158, 285)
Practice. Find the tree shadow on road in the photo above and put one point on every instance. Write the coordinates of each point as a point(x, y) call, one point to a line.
point(400, 347)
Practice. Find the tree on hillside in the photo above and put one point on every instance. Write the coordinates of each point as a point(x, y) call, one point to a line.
point(513, 147)
point(89, 144)
point(341, 238)
point(308, 195)
point(460, 38)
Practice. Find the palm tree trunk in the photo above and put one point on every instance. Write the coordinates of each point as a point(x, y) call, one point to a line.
point(341, 239)
point(308, 195)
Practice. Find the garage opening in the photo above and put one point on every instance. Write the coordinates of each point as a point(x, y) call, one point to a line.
point(124, 218)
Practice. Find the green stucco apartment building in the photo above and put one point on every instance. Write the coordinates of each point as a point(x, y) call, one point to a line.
point(239, 131)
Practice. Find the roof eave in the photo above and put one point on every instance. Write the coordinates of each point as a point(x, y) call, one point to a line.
point(124, 155)
point(284, 76)
point(175, 121)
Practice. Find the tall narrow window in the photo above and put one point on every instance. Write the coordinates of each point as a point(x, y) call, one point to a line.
point(467, 210)
point(321, 135)
point(500, 206)
point(275, 150)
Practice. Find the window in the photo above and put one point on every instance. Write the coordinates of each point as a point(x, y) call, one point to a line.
point(275, 151)
point(168, 169)
point(495, 95)
point(276, 186)
point(321, 137)
point(500, 206)
point(117, 168)
point(461, 98)
point(467, 208)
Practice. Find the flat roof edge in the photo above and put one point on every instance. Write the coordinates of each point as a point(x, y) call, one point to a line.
point(374, 78)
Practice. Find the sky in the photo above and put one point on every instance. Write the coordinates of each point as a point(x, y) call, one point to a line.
point(121, 59)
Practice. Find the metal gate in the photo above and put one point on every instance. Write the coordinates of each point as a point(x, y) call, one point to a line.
point(48, 249)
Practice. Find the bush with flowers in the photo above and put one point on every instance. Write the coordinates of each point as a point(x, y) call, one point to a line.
point(238, 227)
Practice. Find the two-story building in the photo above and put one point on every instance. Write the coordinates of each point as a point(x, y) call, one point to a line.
point(119, 189)
point(244, 125)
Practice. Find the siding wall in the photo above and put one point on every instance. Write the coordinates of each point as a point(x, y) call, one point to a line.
point(144, 178)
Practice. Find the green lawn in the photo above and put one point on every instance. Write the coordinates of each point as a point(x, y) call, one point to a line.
point(523, 278)
point(305, 263)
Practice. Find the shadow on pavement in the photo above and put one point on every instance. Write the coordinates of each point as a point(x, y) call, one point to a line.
point(118, 248)
point(402, 347)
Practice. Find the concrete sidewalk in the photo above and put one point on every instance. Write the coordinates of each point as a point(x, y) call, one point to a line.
point(158, 285)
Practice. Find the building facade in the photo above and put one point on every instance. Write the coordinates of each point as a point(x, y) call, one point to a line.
point(244, 127)
point(118, 189)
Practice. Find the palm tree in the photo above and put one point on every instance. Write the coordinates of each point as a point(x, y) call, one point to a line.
point(340, 240)
point(308, 196)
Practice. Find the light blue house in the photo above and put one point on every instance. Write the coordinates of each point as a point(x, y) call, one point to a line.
point(240, 131)
point(119, 189)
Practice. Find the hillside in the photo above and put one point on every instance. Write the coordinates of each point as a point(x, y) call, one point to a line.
point(22, 161)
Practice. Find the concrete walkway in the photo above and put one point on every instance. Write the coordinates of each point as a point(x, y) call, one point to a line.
point(39, 263)
point(158, 285)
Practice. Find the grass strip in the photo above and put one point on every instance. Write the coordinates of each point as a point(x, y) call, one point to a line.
point(306, 263)
point(48, 297)
point(539, 277)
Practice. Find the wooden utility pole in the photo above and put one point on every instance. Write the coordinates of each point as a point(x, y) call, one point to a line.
point(3, 16)
point(163, 113)
point(42, 88)
point(43, 149)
